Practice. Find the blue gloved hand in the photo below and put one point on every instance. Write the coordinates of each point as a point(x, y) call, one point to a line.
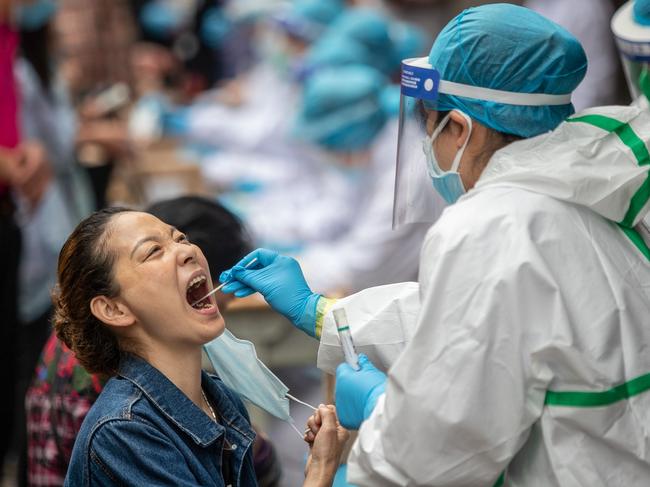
point(280, 280)
point(357, 391)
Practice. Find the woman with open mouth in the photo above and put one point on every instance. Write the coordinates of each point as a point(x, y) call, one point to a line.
point(128, 303)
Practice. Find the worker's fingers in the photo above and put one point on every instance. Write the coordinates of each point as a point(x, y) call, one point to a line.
point(263, 256)
point(225, 276)
point(248, 278)
point(364, 361)
point(245, 292)
point(233, 287)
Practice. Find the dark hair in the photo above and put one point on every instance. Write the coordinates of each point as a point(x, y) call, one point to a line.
point(216, 231)
point(495, 140)
point(85, 270)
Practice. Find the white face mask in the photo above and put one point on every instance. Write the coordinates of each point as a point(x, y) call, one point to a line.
point(236, 363)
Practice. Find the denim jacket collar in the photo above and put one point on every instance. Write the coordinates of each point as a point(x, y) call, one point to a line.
point(174, 404)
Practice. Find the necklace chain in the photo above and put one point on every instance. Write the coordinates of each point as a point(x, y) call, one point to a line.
point(214, 416)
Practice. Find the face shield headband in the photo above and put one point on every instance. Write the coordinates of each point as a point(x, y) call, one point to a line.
point(415, 200)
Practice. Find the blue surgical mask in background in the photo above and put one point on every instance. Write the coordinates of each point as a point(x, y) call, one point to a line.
point(215, 28)
point(447, 183)
point(33, 15)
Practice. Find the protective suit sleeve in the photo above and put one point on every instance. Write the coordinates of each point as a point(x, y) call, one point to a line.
point(381, 320)
point(461, 398)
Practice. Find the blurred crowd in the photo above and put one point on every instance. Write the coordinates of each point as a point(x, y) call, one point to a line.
point(283, 112)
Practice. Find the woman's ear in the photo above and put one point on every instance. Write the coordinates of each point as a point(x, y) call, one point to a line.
point(111, 311)
point(459, 128)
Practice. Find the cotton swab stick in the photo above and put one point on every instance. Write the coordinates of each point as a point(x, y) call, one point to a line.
point(218, 288)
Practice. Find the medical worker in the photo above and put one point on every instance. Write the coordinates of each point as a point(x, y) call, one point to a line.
point(521, 356)
point(375, 42)
point(304, 21)
point(631, 27)
point(267, 90)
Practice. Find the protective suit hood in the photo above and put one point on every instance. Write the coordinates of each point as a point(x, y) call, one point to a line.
point(598, 159)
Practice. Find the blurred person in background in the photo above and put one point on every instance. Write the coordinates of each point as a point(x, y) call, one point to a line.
point(48, 130)
point(250, 119)
point(94, 40)
point(359, 36)
point(86, 31)
point(62, 391)
point(12, 174)
point(193, 32)
point(299, 25)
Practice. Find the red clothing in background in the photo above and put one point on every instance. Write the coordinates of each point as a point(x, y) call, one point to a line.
point(8, 95)
point(57, 402)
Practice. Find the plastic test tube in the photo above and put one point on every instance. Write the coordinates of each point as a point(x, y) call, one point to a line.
point(345, 336)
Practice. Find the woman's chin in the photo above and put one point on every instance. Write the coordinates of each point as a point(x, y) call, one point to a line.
point(214, 328)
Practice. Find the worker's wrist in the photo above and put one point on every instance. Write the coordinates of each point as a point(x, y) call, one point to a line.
point(323, 306)
point(308, 318)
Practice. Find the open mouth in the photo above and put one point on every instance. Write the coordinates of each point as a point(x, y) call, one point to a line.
point(197, 288)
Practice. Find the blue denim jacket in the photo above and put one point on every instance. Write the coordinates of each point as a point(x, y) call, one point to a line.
point(143, 431)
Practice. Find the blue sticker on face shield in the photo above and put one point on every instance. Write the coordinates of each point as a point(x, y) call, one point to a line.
point(419, 82)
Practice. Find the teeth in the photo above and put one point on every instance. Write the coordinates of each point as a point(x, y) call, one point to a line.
point(196, 281)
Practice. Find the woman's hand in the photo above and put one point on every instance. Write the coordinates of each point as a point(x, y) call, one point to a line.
point(27, 169)
point(326, 438)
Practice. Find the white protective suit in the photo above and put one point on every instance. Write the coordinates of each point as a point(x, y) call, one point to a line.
point(254, 125)
point(522, 357)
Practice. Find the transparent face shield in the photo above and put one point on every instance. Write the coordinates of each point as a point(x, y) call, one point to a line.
point(415, 201)
point(637, 75)
point(633, 42)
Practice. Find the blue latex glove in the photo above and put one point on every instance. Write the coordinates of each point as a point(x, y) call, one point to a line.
point(280, 280)
point(341, 476)
point(357, 391)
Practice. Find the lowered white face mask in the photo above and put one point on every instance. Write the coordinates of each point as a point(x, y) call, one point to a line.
point(236, 363)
